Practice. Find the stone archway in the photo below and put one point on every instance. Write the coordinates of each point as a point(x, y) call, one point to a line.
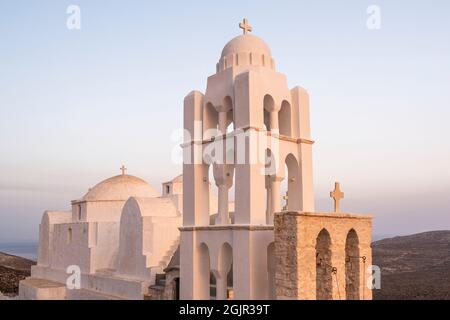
point(352, 266)
point(324, 285)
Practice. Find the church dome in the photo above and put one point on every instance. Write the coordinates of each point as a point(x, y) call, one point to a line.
point(246, 43)
point(245, 51)
point(120, 187)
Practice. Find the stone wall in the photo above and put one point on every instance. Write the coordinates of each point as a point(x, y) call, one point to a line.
point(322, 256)
point(155, 293)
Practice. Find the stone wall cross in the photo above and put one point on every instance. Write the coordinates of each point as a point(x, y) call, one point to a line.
point(245, 26)
point(337, 196)
point(123, 169)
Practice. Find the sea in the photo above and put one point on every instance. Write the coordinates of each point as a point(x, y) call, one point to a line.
point(26, 250)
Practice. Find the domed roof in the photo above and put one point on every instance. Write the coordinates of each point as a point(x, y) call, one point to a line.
point(246, 43)
point(120, 187)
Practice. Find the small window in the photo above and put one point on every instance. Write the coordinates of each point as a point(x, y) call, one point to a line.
point(69, 235)
point(79, 212)
point(167, 189)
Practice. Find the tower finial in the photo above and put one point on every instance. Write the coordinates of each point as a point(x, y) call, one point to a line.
point(245, 26)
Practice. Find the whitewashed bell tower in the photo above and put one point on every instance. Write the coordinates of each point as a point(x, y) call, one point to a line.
point(257, 128)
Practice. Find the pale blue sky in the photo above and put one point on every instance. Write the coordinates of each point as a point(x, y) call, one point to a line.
point(75, 105)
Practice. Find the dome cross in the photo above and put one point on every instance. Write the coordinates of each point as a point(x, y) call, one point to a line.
point(245, 26)
point(123, 169)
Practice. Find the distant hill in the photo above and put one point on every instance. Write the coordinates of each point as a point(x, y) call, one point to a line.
point(414, 267)
point(12, 270)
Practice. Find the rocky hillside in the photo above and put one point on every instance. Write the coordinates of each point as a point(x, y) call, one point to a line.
point(414, 267)
point(12, 270)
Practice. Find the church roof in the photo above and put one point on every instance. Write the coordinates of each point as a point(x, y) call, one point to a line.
point(246, 43)
point(120, 187)
point(178, 179)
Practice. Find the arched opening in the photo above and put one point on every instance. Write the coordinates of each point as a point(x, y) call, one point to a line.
point(231, 198)
point(269, 106)
point(212, 286)
point(292, 184)
point(228, 105)
point(230, 290)
point(230, 127)
point(223, 177)
point(79, 212)
point(284, 119)
point(224, 279)
point(352, 266)
point(284, 190)
point(266, 125)
point(210, 121)
point(213, 196)
point(204, 271)
point(272, 194)
point(211, 191)
point(271, 271)
point(324, 268)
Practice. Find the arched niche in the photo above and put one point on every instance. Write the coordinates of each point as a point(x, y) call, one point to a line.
point(204, 271)
point(293, 183)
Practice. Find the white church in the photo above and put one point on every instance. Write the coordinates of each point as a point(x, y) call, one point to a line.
point(247, 134)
